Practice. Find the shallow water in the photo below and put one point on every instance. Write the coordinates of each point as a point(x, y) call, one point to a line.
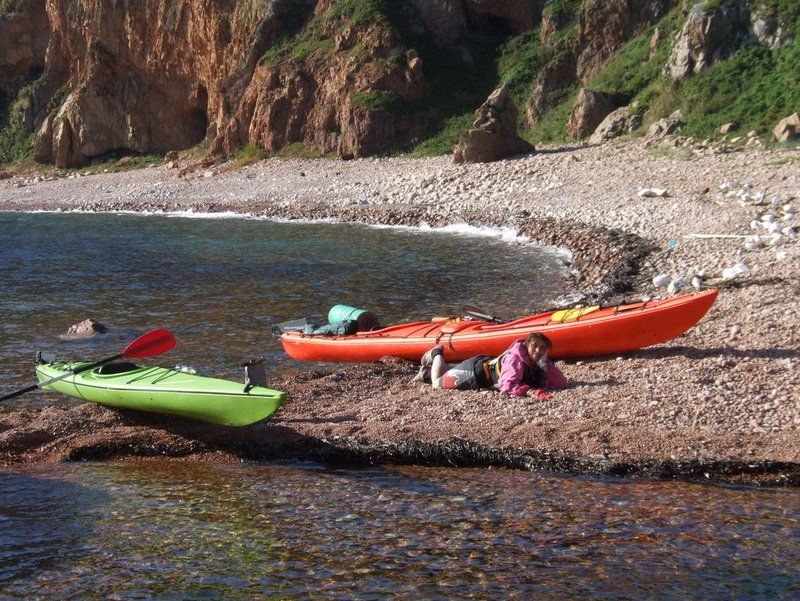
point(219, 284)
point(189, 531)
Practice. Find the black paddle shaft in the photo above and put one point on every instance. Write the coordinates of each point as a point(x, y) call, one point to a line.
point(61, 377)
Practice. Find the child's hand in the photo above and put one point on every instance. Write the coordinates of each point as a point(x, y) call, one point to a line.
point(542, 362)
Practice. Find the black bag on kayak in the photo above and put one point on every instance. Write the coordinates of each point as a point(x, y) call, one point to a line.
point(342, 328)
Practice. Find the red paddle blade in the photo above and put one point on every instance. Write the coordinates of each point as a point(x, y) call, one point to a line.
point(154, 342)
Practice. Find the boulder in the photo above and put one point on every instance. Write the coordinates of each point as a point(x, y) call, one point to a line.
point(589, 110)
point(84, 329)
point(788, 128)
point(666, 126)
point(617, 123)
point(494, 133)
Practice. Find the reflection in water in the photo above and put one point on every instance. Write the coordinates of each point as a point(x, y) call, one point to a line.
point(192, 531)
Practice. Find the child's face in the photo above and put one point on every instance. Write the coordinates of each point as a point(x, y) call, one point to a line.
point(537, 349)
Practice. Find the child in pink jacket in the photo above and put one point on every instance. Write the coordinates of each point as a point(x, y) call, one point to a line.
point(523, 370)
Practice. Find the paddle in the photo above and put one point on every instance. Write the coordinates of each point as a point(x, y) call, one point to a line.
point(153, 343)
point(474, 311)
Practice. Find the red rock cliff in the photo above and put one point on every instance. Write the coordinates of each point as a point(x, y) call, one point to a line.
point(156, 75)
point(23, 41)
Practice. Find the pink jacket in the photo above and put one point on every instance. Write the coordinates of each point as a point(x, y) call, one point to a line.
point(512, 371)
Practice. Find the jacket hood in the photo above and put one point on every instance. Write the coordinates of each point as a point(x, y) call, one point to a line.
point(518, 349)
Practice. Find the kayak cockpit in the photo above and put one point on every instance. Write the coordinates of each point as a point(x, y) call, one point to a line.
point(116, 368)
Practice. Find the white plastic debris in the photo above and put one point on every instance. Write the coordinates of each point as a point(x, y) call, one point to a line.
point(661, 280)
point(753, 243)
point(777, 240)
point(735, 271)
point(676, 285)
point(652, 192)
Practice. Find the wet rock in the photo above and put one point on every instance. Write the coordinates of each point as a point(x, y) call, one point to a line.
point(84, 329)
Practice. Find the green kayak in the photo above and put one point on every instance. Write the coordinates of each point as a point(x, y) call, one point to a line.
point(164, 390)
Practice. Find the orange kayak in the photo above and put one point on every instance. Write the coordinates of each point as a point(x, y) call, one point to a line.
point(584, 332)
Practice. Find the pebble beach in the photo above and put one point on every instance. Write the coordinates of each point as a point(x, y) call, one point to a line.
point(640, 219)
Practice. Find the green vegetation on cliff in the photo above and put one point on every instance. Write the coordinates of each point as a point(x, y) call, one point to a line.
point(755, 87)
point(16, 140)
point(9, 8)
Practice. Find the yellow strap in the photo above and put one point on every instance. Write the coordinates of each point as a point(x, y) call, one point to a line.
point(572, 314)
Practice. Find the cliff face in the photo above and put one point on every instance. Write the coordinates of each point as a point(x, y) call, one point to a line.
point(158, 75)
point(23, 41)
point(315, 100)
point(142, 75)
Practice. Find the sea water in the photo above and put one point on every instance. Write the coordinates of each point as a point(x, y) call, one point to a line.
point(171, 530)
point(220, 283)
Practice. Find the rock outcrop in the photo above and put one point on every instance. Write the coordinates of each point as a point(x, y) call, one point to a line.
point(590, 109)
point(23, 38)
point(707, 37)
point(157, 75)
point(85, 329)
point(494, 133)
point(606, 25)
point(603, 28)
point(788, 128)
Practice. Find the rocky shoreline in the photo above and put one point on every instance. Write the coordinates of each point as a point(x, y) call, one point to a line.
point(717, 404)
